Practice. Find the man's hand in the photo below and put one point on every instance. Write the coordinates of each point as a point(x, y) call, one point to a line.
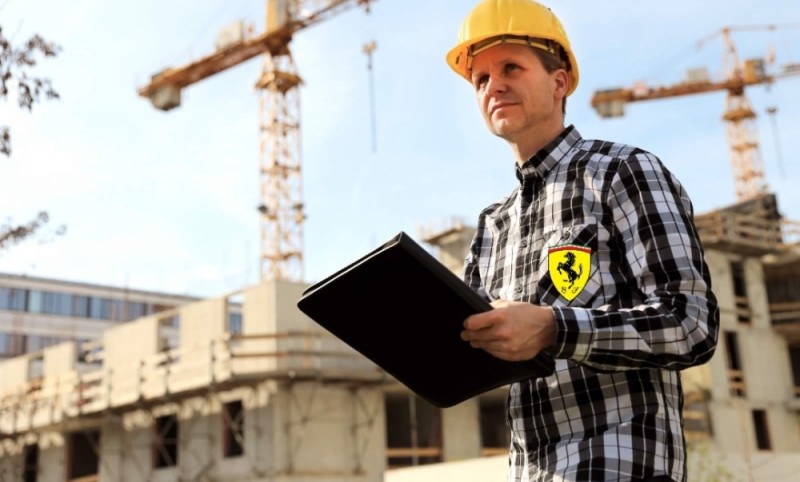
point(512, 331)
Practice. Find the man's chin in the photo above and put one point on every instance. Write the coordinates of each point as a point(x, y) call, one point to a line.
point(504, 130)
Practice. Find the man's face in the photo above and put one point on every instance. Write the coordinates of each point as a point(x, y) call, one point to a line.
point(515, 94)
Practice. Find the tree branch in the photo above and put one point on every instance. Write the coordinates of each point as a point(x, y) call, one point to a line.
point(15, 62)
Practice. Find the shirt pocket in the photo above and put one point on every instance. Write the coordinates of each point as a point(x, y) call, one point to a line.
point(569, 272)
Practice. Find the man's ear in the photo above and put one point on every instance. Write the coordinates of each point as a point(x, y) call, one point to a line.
point(561, 78)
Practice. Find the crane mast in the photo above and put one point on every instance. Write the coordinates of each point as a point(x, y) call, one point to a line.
point(280, 208)
point(739, 116)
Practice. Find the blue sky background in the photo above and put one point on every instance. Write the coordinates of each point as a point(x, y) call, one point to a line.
point(166, 200)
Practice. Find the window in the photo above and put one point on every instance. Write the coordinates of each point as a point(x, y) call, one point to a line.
point(12, 299)
point(136, 310)
point(739, 286)
point(62, 304)
point(235, 323)
point(158, 308)
point(83, 459)
point(495, 434)
point(11, 344)
point(35, 301)
point(36, 342)
point(30, 461)
point(174, 320)
point(761, 430)
point(49, 302)
point(118, 310)
point(740, 292)
point(413, 431)
point(100, 309)
point(735, 372)
point(794, 356)
point(165, 443)
point(232, 429)
point(80, 306)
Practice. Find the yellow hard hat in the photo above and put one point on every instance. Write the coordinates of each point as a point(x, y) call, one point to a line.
point(514, 21)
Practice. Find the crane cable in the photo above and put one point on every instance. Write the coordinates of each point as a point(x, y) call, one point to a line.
point(778, 154)
point(368, 49)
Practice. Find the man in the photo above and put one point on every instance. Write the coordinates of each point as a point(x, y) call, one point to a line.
point(592, 259)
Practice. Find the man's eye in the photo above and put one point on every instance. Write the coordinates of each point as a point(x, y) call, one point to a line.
point(480, 80)
point(511, 67)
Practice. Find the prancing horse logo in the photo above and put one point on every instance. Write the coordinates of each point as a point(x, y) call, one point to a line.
point(570, 267)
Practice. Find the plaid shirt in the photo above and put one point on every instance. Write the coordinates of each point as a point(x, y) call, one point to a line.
point(613, 408)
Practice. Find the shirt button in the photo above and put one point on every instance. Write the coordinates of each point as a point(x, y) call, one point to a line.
point(524, 243)
point(519, 289)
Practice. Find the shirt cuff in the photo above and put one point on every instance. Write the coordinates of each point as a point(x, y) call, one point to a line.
point(575, 333)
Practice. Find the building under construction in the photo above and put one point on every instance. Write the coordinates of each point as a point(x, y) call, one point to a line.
point(245, 387)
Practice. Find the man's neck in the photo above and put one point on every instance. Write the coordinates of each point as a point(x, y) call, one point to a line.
point(530, 144)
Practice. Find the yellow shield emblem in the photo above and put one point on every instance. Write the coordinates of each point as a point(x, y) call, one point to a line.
point(570, 267)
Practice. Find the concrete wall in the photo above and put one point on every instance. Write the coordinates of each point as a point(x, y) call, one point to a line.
point(294, 433)
point(203, 321)
point(330, 432)
point(271, 307)
point(461, 431)
point(52, 458)
point(15, 373)
point(765, 364)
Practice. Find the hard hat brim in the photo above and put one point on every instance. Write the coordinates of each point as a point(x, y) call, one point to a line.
point(458, 58)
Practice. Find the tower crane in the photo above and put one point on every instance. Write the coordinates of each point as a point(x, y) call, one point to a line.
point(280, 206)
point(739, 116)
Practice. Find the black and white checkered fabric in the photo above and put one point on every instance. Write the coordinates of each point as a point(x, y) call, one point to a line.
point(613, 408)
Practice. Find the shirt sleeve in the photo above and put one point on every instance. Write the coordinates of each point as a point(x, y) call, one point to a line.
point(676, 324)
point(472, 271)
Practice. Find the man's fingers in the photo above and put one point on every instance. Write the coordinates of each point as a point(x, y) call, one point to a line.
point(481, 321)
point(483, 334)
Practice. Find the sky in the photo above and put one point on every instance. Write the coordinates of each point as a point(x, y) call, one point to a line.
point(166, 201)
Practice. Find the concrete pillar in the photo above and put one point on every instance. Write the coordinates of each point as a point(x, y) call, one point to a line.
point(462, 431)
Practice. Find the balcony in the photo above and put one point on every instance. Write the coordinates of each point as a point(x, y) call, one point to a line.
point(786, 320)
point(751, 227)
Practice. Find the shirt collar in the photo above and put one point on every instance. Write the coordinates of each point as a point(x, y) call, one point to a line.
point(548, 157)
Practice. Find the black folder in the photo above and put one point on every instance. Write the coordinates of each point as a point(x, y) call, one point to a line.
point(404, 310)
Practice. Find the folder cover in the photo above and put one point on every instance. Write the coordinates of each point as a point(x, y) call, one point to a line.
point(404, 310)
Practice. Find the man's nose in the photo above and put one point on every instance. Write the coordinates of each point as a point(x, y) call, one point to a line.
point(496, 84)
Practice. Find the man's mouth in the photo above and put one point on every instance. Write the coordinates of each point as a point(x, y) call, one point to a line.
point(499, 106)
